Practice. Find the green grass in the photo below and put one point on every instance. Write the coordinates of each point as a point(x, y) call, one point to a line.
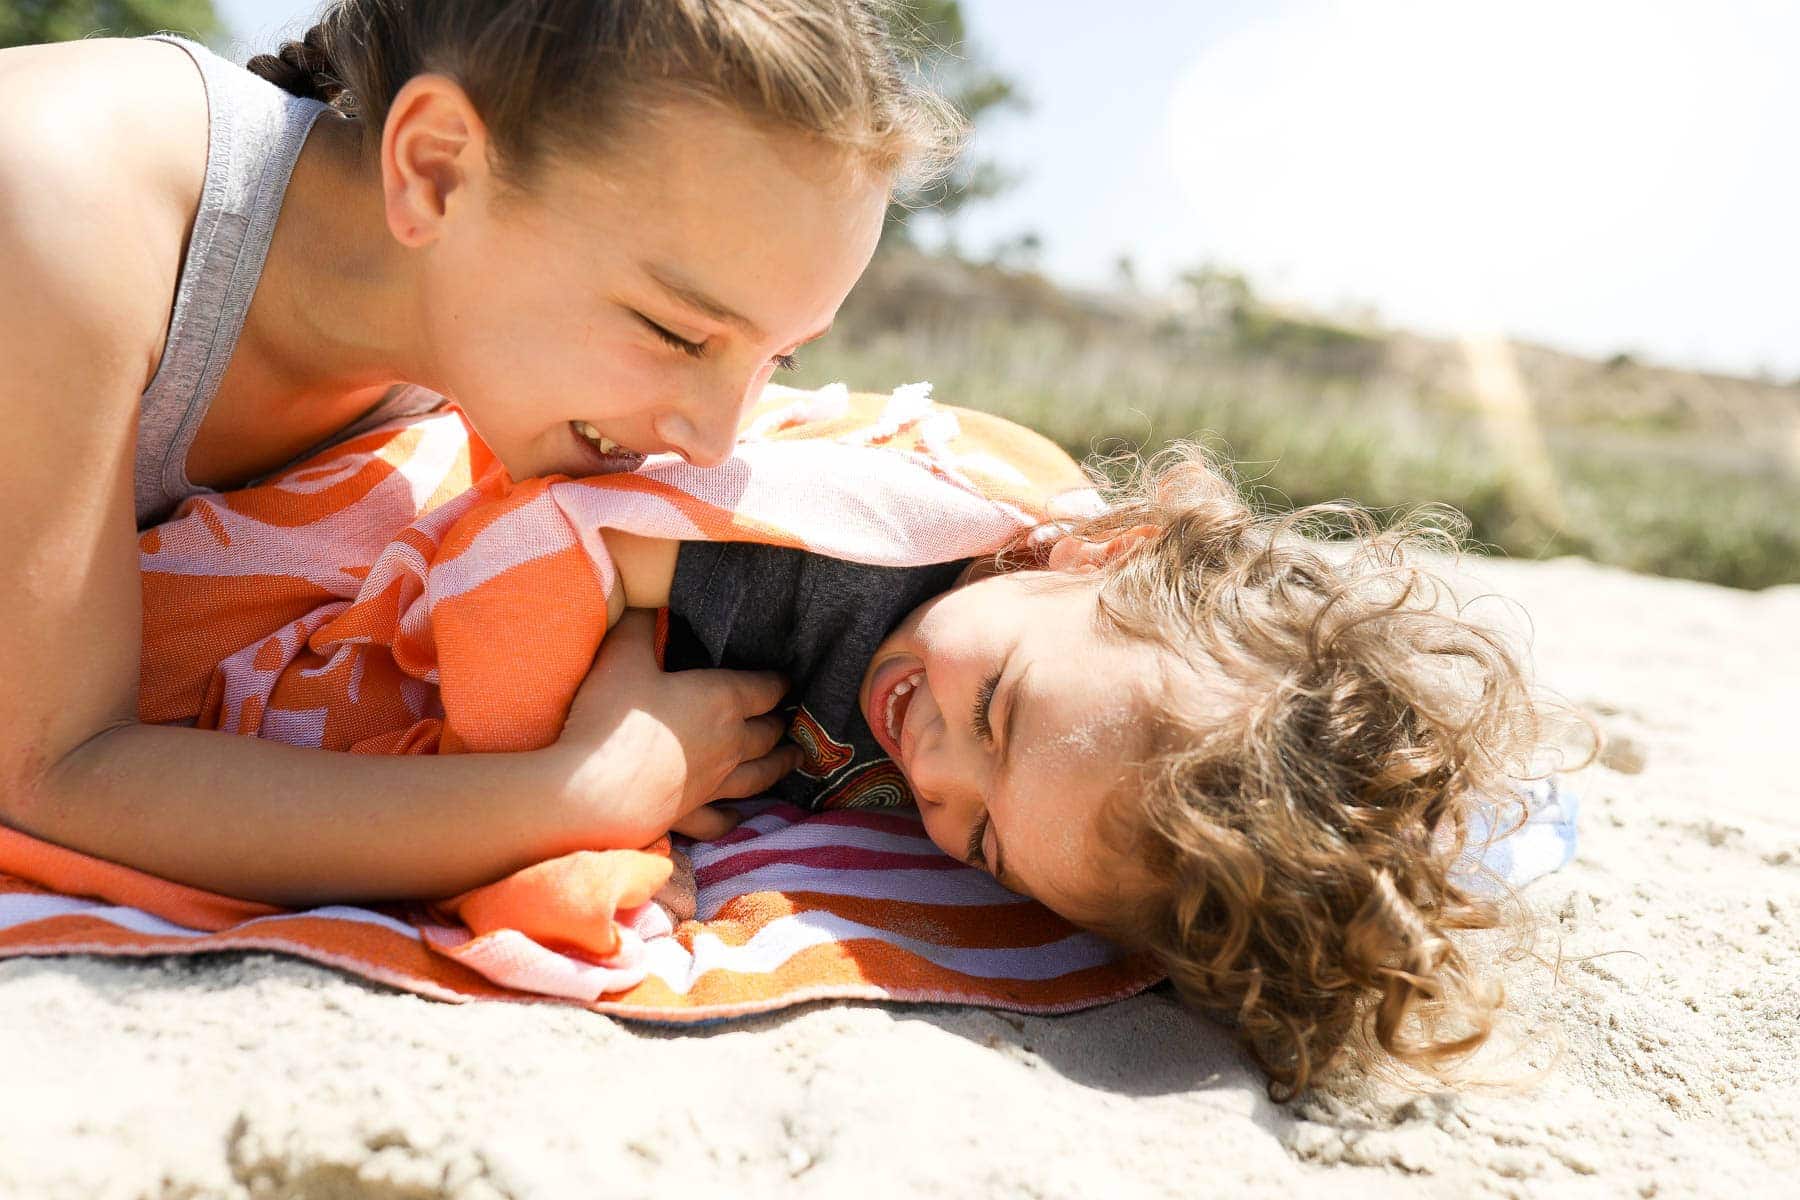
point(1311, 413)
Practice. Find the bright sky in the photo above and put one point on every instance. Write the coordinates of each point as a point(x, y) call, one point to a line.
point(1599, 174)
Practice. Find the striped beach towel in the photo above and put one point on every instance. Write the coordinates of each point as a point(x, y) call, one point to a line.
point(399, 594)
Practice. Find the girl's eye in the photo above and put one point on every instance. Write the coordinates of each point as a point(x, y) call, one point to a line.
point(691, 349)
point(783, 362)
point(984, 700)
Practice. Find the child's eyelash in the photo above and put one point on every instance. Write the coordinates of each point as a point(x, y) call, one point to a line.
point(783, 362)
point(974, 857)
point(984, 700)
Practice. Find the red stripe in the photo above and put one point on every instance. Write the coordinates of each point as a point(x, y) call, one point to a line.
point(904, 822)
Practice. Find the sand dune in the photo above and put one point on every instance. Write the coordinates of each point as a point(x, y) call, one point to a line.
point(1678, 1013)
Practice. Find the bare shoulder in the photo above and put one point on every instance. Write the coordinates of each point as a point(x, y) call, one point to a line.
point(102, 157)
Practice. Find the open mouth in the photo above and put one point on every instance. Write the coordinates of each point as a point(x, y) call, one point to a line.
point(607, 454)
point(890, 698)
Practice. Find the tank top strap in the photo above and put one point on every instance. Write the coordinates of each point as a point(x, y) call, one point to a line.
point(255, 134)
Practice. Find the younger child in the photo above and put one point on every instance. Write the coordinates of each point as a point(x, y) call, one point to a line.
point(1197, 731)
point(1179, 724)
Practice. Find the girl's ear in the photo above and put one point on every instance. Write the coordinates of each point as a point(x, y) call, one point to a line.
point(1070, 553)
point(434, 148)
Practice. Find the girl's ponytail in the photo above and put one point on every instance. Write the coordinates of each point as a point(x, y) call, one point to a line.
point(303, 68)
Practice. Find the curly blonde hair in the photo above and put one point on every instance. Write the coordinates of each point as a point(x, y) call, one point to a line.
point(1304, 808)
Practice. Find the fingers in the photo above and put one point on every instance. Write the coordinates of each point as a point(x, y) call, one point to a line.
point(757, 776)
point(706, 823)
point(757, 691)
point(761, 735)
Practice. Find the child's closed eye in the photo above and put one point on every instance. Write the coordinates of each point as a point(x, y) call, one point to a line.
point(977, 834)
point(984, 700)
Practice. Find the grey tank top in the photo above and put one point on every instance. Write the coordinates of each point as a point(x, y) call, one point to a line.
point(256, 132)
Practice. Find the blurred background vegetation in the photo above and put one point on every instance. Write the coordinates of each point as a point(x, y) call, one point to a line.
point(1666, 471)
point(23, 22)
point(1669, 471)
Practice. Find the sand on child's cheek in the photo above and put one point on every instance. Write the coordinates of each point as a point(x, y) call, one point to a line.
point(1086, 732)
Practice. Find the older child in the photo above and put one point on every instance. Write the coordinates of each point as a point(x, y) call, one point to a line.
point(565, 215)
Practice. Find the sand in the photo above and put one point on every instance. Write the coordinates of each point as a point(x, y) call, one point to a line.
point(1677, 1010)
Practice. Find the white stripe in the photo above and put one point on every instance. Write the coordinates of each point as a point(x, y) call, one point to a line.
point(21, 909)
point(341, 912)
point(592, 503)
point(295, 726)
point(518, 536)
point(781, 939)
point(810, 835)
point(898, 513)
point(701, 853)
point(442, 441)
point(961, 887)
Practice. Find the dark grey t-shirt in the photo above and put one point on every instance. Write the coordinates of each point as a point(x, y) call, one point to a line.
point(818, 620)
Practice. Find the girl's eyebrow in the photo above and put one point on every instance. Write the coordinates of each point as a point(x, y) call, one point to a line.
point(672, 283)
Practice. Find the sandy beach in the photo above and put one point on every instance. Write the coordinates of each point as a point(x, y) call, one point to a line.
point(1677, 1012)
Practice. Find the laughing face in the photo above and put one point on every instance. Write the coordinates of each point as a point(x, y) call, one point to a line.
point(638, 303)
point(1012, 716)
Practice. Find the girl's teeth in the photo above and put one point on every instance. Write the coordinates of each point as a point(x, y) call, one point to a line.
point(587, 430)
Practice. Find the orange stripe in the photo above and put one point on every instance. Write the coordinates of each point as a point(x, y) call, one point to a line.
point(194, 623)
point(368, 945)
point(858, 963)
point(988, 926)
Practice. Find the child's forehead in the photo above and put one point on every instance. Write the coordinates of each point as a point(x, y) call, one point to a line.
point(1097, 680)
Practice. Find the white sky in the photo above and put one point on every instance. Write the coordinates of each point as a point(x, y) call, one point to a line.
point(1600, 174)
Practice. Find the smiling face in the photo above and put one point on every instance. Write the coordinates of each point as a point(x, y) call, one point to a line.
point(1013, 718)
point(645, 295)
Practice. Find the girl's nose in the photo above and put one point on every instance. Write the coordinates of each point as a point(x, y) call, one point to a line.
point(705, 433)
point(705, 445)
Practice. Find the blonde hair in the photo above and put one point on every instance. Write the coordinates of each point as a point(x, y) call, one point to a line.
point(559, 76)
point(1311, 783)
